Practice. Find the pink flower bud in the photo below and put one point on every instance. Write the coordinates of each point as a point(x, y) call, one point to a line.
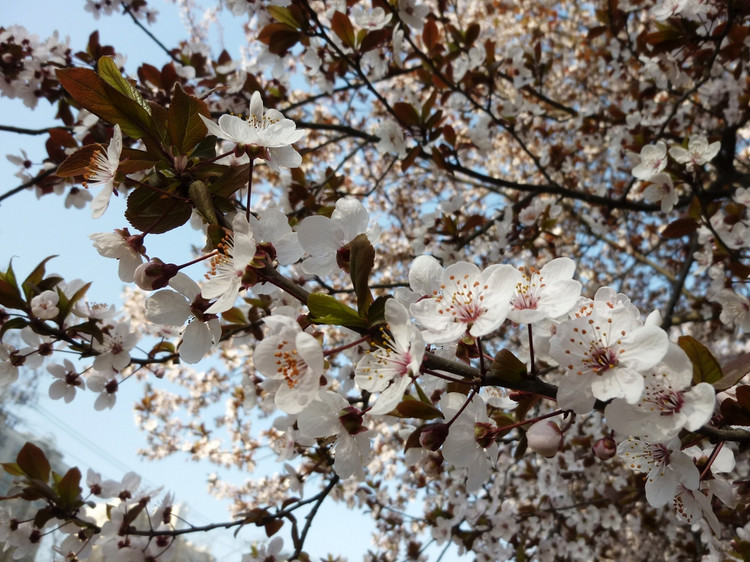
point(604, 449)
point(544, 437)
point(154, 274)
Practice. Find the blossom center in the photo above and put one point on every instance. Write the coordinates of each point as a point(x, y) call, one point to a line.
point(289, 364)
point(669, 402)
point(659, 453)
point(601, 359)
point(392, 356)
point(464, 302)
point(528, 292)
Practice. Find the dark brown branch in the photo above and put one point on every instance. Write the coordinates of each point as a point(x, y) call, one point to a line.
point(313, 512)
point(126, 9)
point(25, 131)
point(350, 131)
point(32, 182)
point(678, 285)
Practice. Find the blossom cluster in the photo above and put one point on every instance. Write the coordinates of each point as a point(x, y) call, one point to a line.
point(420, 244)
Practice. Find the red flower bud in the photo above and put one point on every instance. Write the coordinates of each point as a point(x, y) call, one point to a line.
point(605, 448)
point(433, 436)
point(154, 274)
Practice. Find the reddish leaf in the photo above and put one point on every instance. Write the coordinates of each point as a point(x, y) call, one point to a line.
point(472, 33)
point(184, 125)
point(133, 160)
point(449, 134)
point(733, 413)
point(232, 179)
point(32, 460)
point(361, 263)
point(151, 74)
point(680, 227)
point(430, 35)
point(705, 366)
point(342, 27)
point(77, 163)
point(273, 527)
point(148, 210)
point(279, 37)
point(739, 270)
point(93, 93)
point(409, 160)
point(406, 113)
point(733, 371)
point(374, 39)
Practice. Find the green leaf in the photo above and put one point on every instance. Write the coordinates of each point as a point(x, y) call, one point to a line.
point(325, 309)
point(66, 305)
point(186, 129)
point(734, 371)
point(411, 408)
point(421, 394)
point(33, 462)
point(283, 15)
point(89, 327)
point(10, 295)
point(16, 323)
point(201, 198)
point(110, 73)
point(232, 179)
point(361, 263)
point(507, 367)
point(69, 488)
point(12, 468)
point(30, 285)
point(91, 92)
point(705, 366)
point(155, 212)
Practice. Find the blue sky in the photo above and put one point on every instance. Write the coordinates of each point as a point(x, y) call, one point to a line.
point(33, 229)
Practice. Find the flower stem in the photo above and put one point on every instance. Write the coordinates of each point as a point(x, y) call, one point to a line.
point(446, 377)
point(463, 407)
point(346, 346)
point(531, 352)
point(532, 420)
point(249, 188)
point(196, 260)
point(712, 458)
